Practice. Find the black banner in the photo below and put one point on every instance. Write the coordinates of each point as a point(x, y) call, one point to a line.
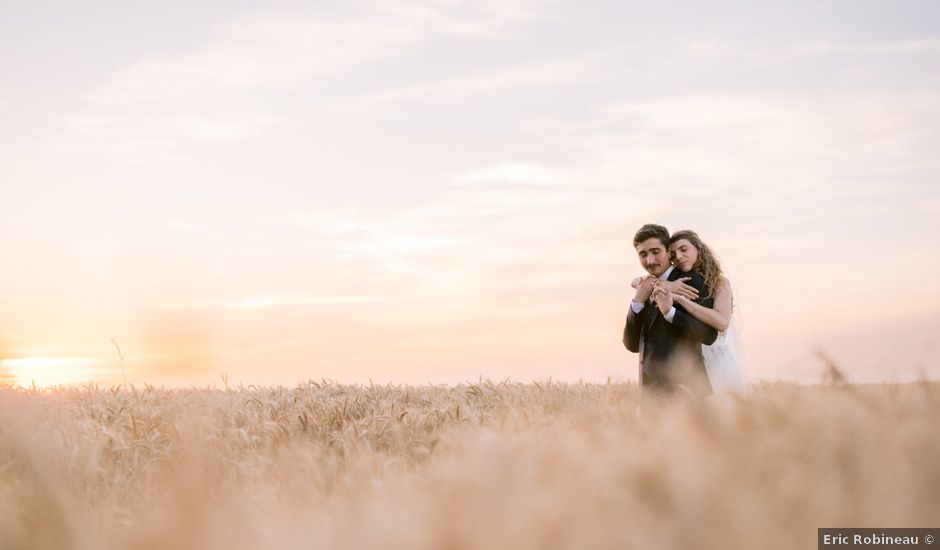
point(830, 538)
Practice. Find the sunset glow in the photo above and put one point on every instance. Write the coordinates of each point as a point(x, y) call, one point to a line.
point(438, 191)
point(49, 371)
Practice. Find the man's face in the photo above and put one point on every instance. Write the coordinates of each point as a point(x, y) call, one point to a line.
point(654, 256)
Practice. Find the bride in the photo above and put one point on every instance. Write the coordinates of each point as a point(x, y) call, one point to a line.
point(722, 358)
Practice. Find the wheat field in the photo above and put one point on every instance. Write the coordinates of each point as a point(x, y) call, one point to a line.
point(472, 466)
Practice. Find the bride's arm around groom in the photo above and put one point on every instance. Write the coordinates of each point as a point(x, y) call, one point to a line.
point(689, 326)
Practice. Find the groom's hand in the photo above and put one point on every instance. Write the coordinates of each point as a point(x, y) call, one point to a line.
point(644, 290)
point(663, 299)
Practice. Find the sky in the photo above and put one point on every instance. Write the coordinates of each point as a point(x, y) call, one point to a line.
point(440, 191)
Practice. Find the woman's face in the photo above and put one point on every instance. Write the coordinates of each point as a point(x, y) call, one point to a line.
point(684, 255)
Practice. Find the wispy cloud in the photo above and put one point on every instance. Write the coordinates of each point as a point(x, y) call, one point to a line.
point(256, 53)
point(183, 226)
point(748, 133)
point(479, 19)
point(917, 45)
point(522, 77)
point(228, 88)
point(509, 216)
point(726, 49)
point(265, 302)
point(521, 173)
point(692, 161)
point(900, 47)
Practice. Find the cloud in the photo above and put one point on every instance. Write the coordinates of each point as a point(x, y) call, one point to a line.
point(917, 45)
point(183, 226)
point(930, 204)
point(521, 173)
point(259, 52)
point(890, 47)
point(265, 302)
point(233, 85)
point(513, 217)
point(522, 77)
point(707, 161)
point(725, 50)
point(726, 137)
point(486, 19)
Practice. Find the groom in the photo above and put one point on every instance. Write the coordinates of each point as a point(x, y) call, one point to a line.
point(668, 339)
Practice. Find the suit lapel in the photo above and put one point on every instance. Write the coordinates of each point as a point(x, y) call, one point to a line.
point(654, 314)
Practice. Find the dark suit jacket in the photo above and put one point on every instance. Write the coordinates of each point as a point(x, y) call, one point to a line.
point(671, 353)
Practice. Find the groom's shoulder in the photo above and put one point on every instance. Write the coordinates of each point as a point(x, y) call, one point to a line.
point(696, 278)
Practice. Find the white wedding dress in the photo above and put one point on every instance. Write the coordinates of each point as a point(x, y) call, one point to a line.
point(723, 363)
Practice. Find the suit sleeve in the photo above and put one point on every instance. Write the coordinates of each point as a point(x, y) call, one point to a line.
point(689, 326)
point(631, 332)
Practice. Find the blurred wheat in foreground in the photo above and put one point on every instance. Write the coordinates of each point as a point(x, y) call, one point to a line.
point(478, 466)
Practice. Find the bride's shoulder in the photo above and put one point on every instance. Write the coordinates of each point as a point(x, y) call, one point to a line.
point(724, 284)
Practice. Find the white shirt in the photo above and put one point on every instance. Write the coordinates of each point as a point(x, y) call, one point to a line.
point(671, 314)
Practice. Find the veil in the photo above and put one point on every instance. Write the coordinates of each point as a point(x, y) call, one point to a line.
point(736, 326)
point(724, 360)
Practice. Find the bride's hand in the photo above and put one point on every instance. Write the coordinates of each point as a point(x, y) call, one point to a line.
point(680, 288)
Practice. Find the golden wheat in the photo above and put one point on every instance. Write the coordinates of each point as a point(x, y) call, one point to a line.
point(473, 466)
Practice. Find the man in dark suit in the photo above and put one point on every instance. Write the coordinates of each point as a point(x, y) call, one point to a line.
point(668, 339)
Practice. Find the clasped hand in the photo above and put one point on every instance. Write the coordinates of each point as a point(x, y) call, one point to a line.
point(646, 285)
point(664, 293)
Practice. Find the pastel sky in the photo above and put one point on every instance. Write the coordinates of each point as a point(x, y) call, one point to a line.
point(436, 190)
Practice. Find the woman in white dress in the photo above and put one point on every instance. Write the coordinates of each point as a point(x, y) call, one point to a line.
point(722, 358)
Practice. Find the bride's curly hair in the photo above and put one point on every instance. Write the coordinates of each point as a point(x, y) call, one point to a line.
point(707, 263)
